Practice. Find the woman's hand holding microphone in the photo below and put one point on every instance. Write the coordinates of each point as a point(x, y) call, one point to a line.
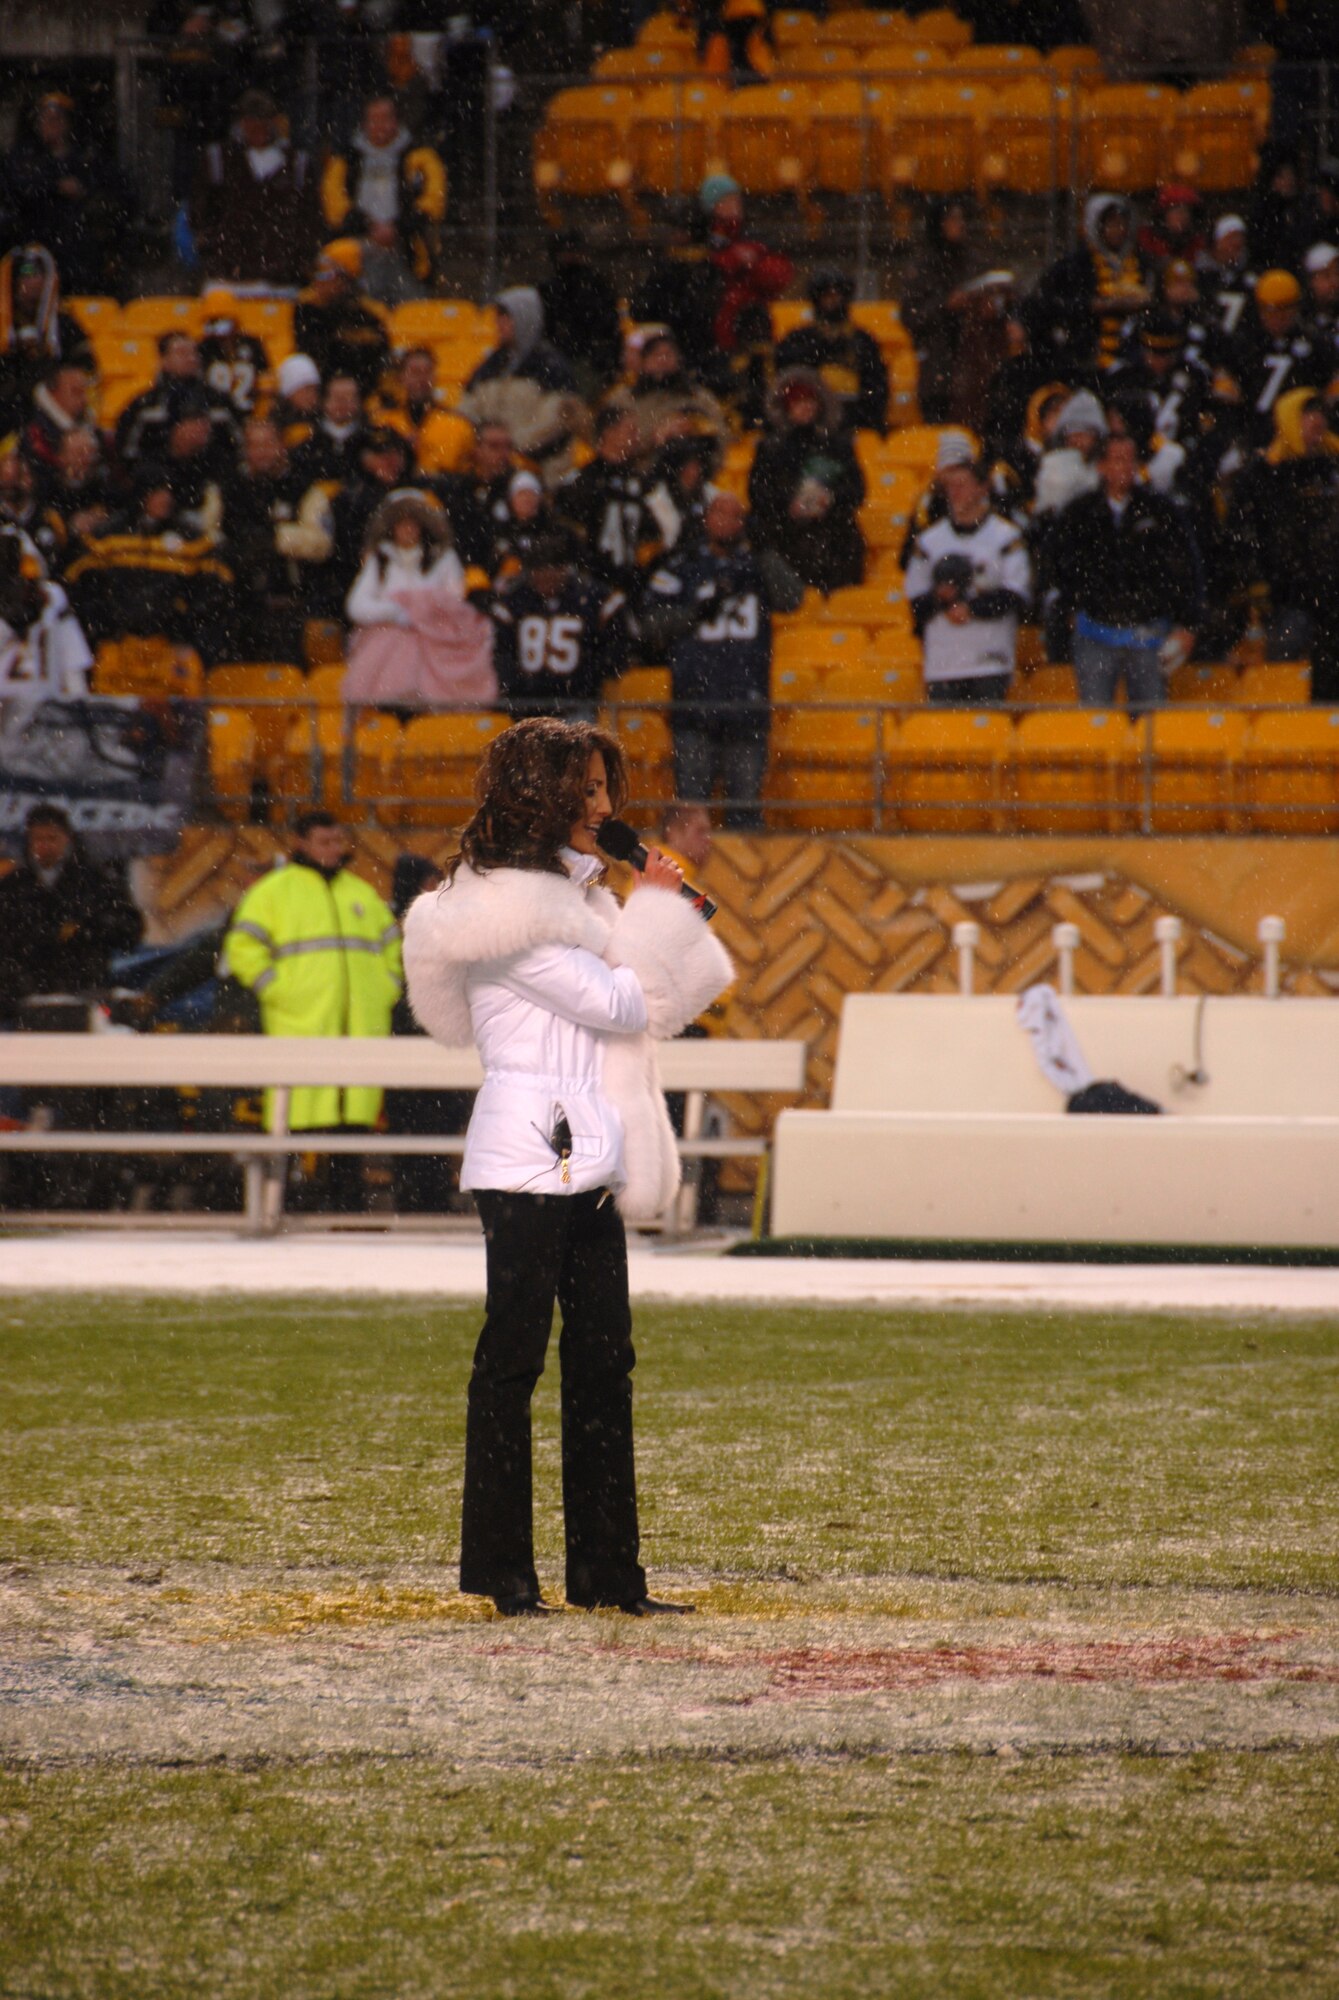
point(659, 873)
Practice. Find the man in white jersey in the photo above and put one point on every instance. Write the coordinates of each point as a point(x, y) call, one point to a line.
point(968, 582)
point(44, 655)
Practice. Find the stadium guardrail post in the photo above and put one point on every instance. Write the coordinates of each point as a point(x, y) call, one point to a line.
point(1167, 931)
point(966, 938)
point(1271, 932)
point(1065, 938)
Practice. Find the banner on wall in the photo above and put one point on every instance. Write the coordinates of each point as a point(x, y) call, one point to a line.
point(123, 769)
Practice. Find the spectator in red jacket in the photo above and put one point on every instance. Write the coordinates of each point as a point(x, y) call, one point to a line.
point(752, 277)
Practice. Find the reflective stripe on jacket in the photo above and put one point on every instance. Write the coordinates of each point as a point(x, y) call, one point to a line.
point(323, 958)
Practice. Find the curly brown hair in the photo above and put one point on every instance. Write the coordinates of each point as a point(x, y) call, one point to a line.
point(530, 792)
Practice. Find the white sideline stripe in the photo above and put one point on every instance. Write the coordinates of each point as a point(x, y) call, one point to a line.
point(317, 1266)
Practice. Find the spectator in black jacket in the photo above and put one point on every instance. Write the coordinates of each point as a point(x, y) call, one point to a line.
point(806, 486)
point(1123, 566)
point(560, 634)
point(178, 392)
point(844, 355)
point(708, 610)
point(605, 504)
point(68, 196)
point(279, 535)
point(36, 334)
point(581, 314)
point(1274, 353)
point(61, 919)
point(343, 333)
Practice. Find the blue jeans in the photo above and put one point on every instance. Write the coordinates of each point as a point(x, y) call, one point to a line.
point(1099, 669)
point(701, 757)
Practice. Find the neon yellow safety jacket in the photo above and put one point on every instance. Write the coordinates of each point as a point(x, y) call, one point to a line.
point(323, 958)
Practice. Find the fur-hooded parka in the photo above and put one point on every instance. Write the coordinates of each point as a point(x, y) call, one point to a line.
point(679, 965)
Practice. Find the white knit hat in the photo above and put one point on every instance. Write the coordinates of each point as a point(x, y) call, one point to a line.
point(299, 371)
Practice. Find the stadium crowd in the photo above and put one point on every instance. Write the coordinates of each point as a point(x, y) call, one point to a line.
point(1141, 452)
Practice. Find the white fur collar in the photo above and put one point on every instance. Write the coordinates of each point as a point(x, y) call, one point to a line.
point(475, 918)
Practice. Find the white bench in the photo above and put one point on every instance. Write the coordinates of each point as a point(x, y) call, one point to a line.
point(283, 1063)
point(942, 1127)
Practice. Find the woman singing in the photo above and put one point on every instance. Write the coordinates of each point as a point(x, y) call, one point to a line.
point(563, 992)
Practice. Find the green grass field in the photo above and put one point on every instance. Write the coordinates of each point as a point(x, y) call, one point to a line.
point(1014, 1671)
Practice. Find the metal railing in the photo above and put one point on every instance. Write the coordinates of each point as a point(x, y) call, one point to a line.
point(1141, 786)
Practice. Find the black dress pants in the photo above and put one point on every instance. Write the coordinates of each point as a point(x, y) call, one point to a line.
point(572, 1248)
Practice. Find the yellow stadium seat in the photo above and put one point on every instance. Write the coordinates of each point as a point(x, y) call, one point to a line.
point(1023, 137)
point(232, 759)
point(823, 65)
point(883, 569)
point(325, 685)
point(948, 769)
point(864, 679)
point(154, 669)
point(896, 65)
point(151, 318)
point(992, 64)
point(127, 358)
point(374, 774)
point(583, 144)
point(1121, 135)
point(310, 767)
point(99, 317)
point(895, 626)
point(917, 445)
point(890, 499)
point(638, 68)
point(323, 643)
point(1214, 136)
point(1074, 771)
point(766, 140)
point(438, 756)
point(929, 140)
point(793, 679)
point(1275, 684)
point(943, 26)
point(269, 321)
point(1289, 777)
point(640, 684)
point(666, 30)
point(271, 693)
point(822, 777)
point(1075, 63)
point(673, 135)
point(845, 139)
point(858, 604)
point(794, 28)
point(1045, 687)
point(435, 322)
point(882, 319)
point(1204, 683)
point(1196, 754)
point(849, 27)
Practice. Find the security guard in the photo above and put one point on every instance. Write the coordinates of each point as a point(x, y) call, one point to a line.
point(321, 952)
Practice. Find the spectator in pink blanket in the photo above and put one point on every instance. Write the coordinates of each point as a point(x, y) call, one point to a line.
point(419, 643)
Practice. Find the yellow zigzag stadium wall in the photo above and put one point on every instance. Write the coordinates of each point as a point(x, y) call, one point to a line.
point(809, 920)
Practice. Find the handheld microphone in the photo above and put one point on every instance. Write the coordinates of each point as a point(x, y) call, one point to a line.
point(620, 843)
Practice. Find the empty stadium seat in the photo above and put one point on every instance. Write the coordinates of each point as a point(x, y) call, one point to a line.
point(1074, 772)
point(948, 769)
point(882, 319)
point(1120, 133)
point(943, 26)
point(1196, 754)
point(438, 756)
point(583, 145)
point(98, 316)
point(764, 136)
point(1214, 136)
point(1288, 781)
point(151, 318)
point(929, 140)
point(437, 322)
point(903, 62)
point(325, 685)
point(1275, 684)
point(1045, 687)
point(230, 745)
point(845, 140)
point(822, 776)
point(639, 67)
point(271, 695)
point(1076, 64)
point(890, 500)
point(269, 321)
point(1214, 684)
point(132, 357)
point(794, 680)
point(153, 669)
point(993, 63)
point(1023, 137)
point(666, 31)
point(915, 445)
point(672, 135)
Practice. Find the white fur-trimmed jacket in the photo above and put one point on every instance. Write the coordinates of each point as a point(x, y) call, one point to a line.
point(564, 992)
